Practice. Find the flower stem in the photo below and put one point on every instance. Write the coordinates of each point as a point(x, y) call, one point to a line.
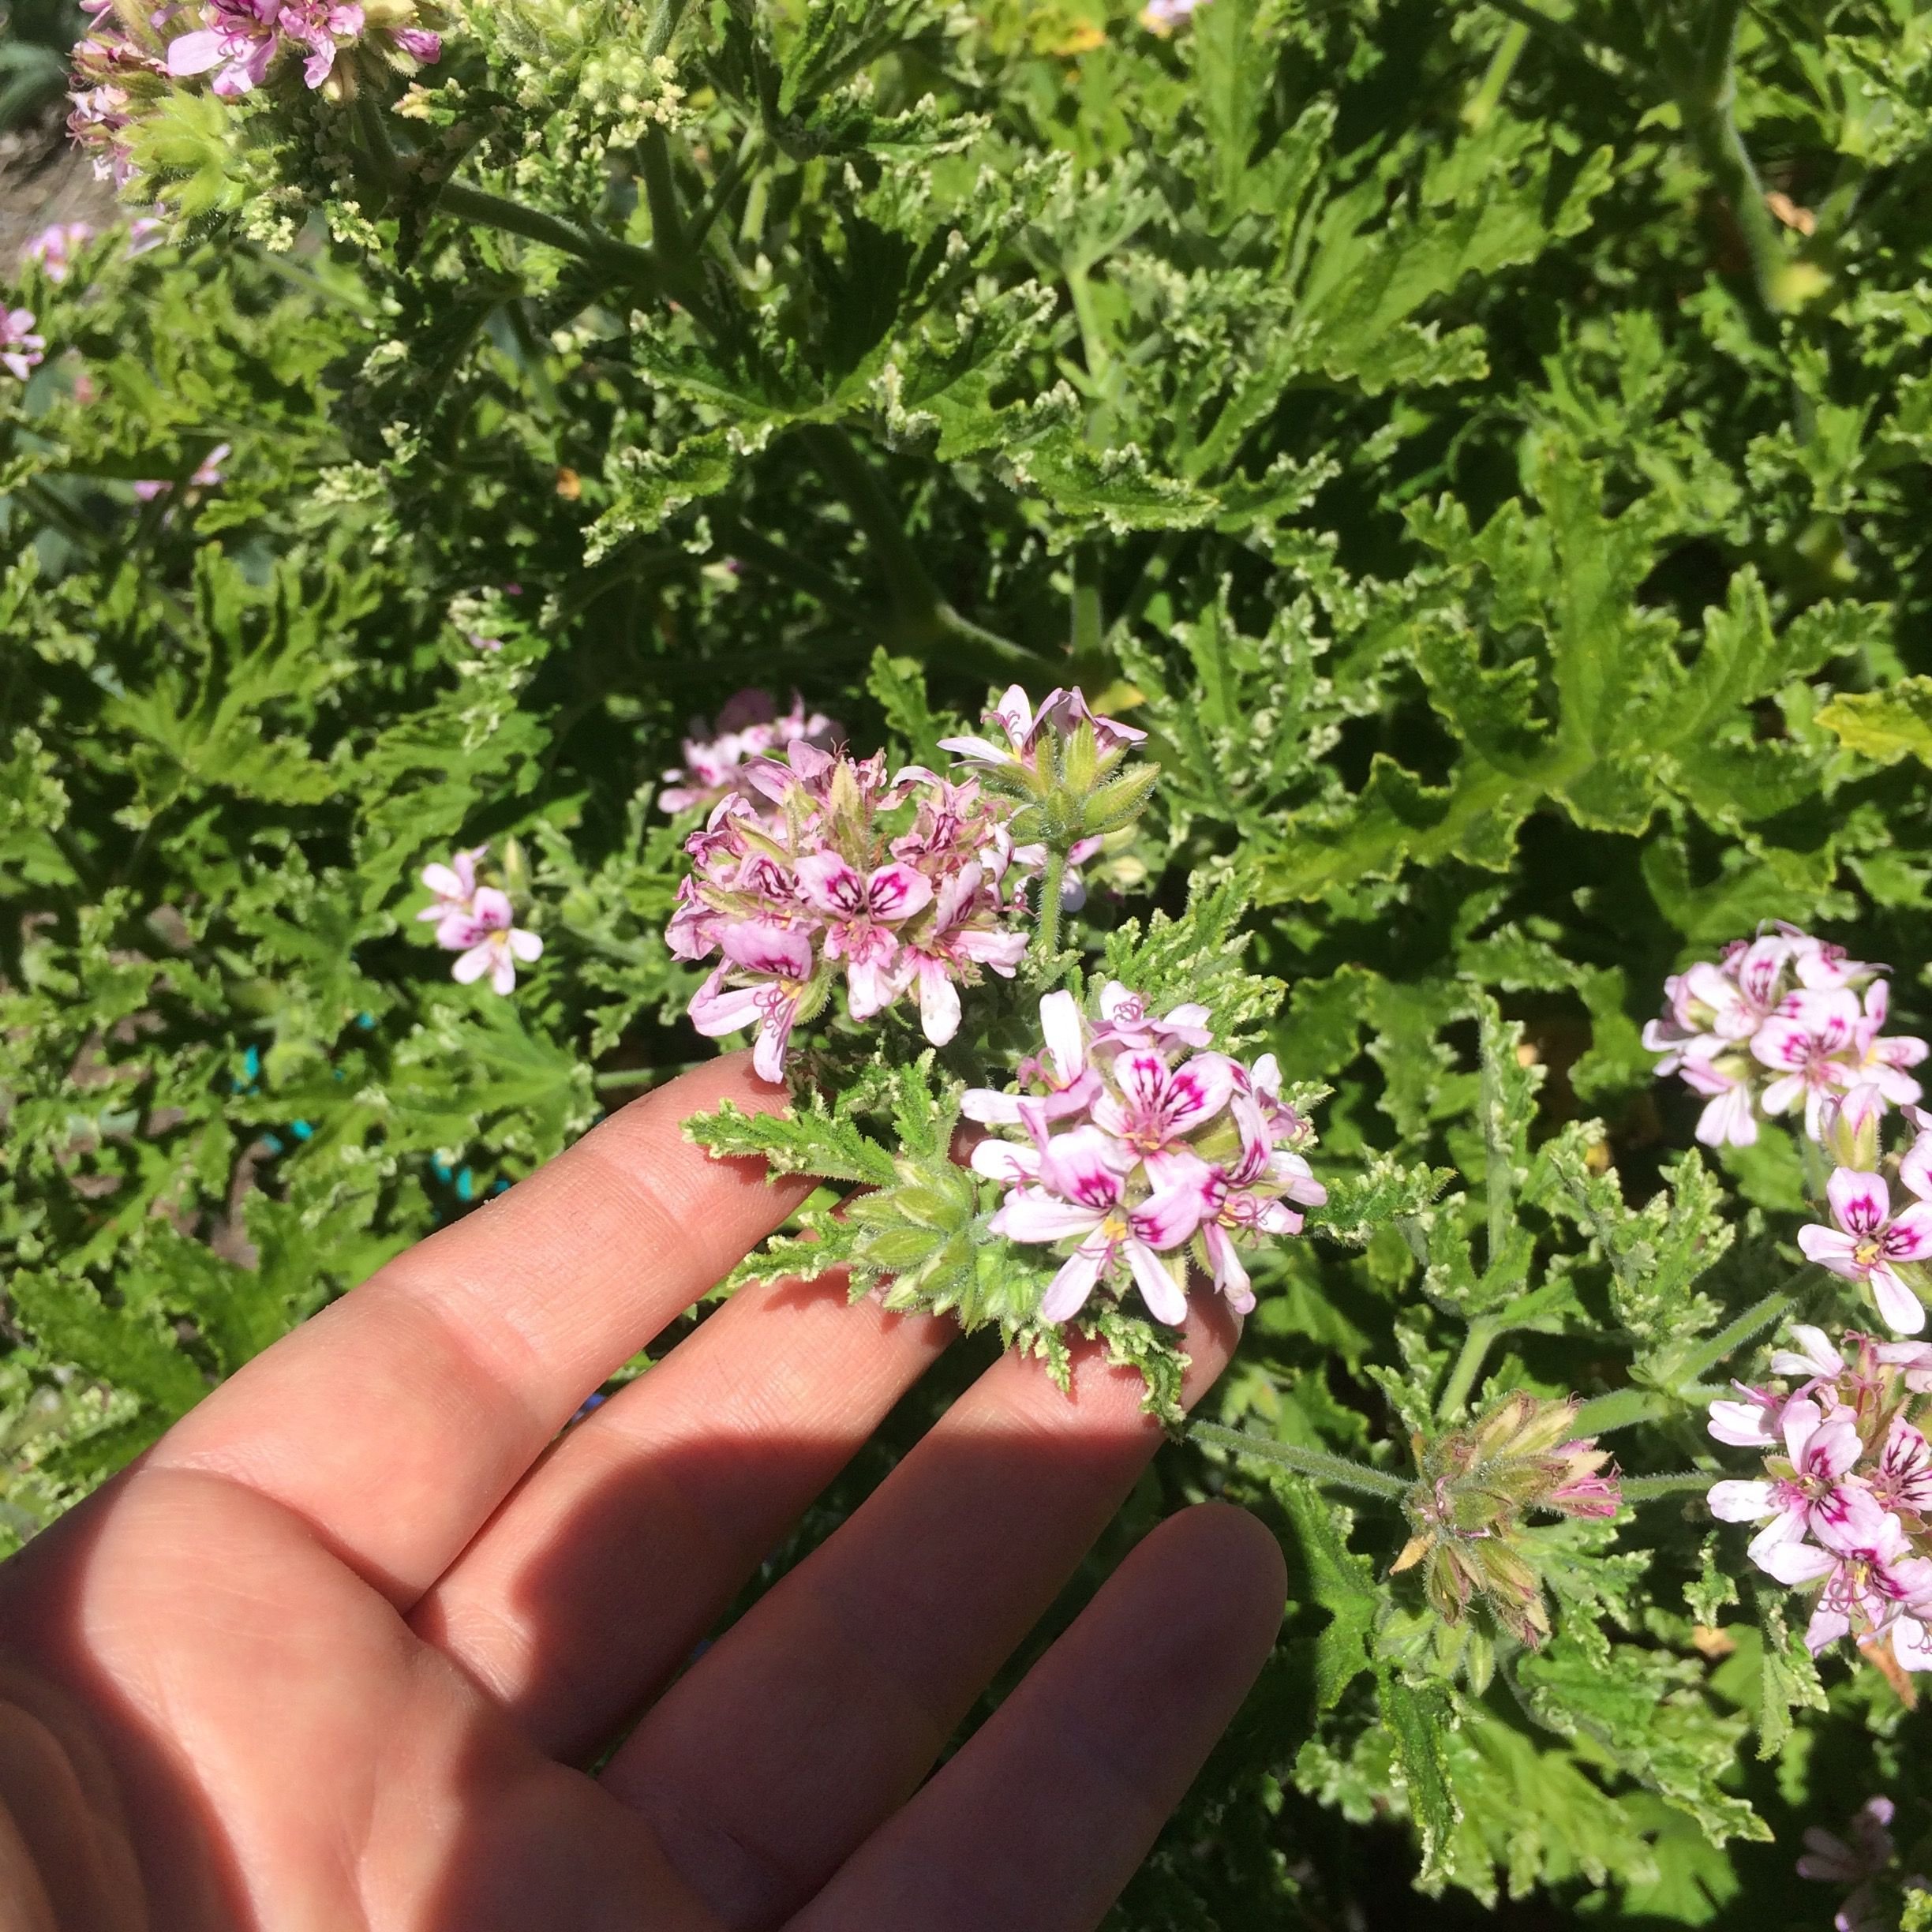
point(1755, 1319)
point(1647, 1488)
point(1483, 1332)
point(1046, 938)
point(1319, 1464)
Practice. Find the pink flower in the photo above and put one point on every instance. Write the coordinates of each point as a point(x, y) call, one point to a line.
point(1811, 1499)
point(1750, 1423)
point(717, 758)
point(778, 961)
point(1196, 1143)
point(1248, 1197)
point(1124, 1021)
point(1869, 1243)
point(495, 945)
point(1071, 1084)
point(1880, 1061)
point(1871, 1579)
point(208, 474)
point(55, 248)
point(145, 234)
point(241, 40)
point(861, 911)
point(1022, 728)
point(1902, 1481)
point(962, 933)
point(454, 886)
point(20, 350)
point(1082, 1196)
point(1152, 1107)
point(1811, 1047)
point(897, 883)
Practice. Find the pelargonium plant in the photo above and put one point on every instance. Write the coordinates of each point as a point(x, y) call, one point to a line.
point(1458, 475)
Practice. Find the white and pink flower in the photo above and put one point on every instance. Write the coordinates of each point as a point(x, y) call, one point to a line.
point(1811, 1496)
point(56, 245)
point(717, 757)
point(476, 921)
point(1776, 1022)
point(21, 351)
point(1163, 1157)
point(493, 943)
point(891, 884)
point(1870, 1243)
point(240, 40)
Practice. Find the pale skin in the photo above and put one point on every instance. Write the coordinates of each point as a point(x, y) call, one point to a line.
point(335, 1652)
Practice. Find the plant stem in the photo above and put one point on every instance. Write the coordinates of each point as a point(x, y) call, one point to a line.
point(915, 597)
point(1483, 1332)
point(1755, 1319)
point(1317, 1464)
point(1047, 939)
point(1622, 1409)
point(1704, 85)
point(924, 616)
point(1647, 1488)
point(1559, 33)
point(1480, 109)
point(494, 211)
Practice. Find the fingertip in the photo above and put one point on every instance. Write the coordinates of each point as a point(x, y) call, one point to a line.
point(1224, 1543)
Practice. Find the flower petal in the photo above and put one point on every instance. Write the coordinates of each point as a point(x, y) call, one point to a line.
point(1066, 1294)
point(1860, 1202)
point(1032, 1214)
point(1741, 1502)
point(1900, 1310)
point(1167, 1302)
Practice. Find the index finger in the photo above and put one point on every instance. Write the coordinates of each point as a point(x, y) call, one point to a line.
point(396, 1419)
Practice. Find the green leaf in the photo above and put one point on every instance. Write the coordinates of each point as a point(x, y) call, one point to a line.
point(1333, 1578)
point(1885, 725)
point(1419, 1720)
point(810, 1139)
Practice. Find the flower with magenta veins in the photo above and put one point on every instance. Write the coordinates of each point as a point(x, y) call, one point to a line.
point(1869, 1245)
point(476, 921)
point(494, 944)
point(1155, 1158)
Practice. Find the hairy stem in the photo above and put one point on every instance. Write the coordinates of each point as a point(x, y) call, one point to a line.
point(1480, 109)
point(1317, 1464)
point(1754, 1320)
point(1046, 938)
point(1647, 1488)
point(1483, 1332)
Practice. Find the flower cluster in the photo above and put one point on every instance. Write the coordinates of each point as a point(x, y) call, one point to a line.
point(910, 881)
point(1143, 1148)
point(55, 246)
point(21, 351)
point(476, 921)
point(1778, 1022)
point(1057, 766)
point(1846, 1500)
point(1864, 1859)
point(718, 758)
point(132, 53)
point(1474, 1487)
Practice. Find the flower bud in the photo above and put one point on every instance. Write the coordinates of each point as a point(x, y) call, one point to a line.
point(1849, 1127)
point(1475, 1485)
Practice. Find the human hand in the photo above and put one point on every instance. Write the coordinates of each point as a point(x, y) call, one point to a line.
point(334, 1652)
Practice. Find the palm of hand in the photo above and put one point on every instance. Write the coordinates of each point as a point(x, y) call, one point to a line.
point(332, 1654)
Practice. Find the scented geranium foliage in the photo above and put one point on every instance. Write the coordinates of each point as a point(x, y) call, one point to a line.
point(1309, 623)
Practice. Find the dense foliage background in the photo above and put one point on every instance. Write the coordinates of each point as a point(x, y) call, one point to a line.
point(1486, 449)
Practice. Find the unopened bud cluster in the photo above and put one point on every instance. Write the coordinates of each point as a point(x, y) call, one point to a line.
point(1475, 1487)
